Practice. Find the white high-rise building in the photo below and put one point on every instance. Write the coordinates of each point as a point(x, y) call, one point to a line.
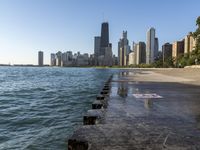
point(150, 46)
point(131, 58)
point(58, 58)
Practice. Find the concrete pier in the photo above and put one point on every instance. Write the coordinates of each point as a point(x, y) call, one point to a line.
point(139, 111)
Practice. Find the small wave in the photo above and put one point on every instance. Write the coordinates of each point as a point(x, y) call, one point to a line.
point(27, 121)
point(40, 112)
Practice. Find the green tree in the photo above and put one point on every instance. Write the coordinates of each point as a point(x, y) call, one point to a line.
point(196, 53)
point(169, 63)
point(180, 61)
point(158, 63)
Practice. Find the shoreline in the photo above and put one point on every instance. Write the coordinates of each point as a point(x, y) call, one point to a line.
point(97, 67)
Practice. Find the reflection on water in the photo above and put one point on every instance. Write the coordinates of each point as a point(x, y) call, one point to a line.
point(122, 90)
point(198, 121)
point(122, 86)
point(124, 73)
point(148, 103)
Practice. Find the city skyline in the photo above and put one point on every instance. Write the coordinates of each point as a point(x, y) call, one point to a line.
point(29, 27)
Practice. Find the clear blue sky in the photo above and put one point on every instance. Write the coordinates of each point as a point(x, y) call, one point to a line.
point(27, 26)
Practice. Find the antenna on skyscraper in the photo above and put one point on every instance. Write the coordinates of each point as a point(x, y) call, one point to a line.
point(103, 17)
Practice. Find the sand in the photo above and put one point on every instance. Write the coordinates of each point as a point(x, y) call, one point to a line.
point(192, 74)
point(179, 75)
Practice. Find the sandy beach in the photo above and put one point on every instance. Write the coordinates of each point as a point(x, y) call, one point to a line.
point(179, 75)
point(190, 74)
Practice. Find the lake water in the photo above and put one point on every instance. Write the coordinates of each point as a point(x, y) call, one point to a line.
point(41, 107)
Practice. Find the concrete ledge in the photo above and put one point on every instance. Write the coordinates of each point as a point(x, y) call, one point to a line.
point(89, 120)
point(74, 144)
point(92, 117)
point(106, 89)
point(107, 82)
point(97, 105)
point(107, 86)
point(100, 97)
point(104, 92)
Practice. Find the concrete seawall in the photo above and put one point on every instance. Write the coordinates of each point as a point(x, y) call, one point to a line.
point(132, 112)
point(92, 117)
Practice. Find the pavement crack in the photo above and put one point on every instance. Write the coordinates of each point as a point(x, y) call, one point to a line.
point(165, 140)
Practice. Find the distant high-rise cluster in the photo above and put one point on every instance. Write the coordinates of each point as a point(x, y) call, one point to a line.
point(148, 53)
point(102, 56)
point(140, 53)
point(69, 59)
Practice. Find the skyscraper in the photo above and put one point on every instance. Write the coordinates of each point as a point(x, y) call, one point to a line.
point(40, 58)
point(156, 47)
point(97, 42)
point(140, 53)
point(104, 37)
point(123, 49)
point(53, 59)
point(131, 58)
point(102, 47)
point(150, 47)
point(58, 58)
point(104, 34)
point(108, 56)
point(167, 51)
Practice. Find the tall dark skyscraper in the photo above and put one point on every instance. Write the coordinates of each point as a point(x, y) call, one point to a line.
point(102, 48)
point(104, 37)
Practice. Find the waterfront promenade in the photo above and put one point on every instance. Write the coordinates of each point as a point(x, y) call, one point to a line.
point(145, 109)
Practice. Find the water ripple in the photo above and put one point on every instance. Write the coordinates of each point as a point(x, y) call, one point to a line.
point(41, 107)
